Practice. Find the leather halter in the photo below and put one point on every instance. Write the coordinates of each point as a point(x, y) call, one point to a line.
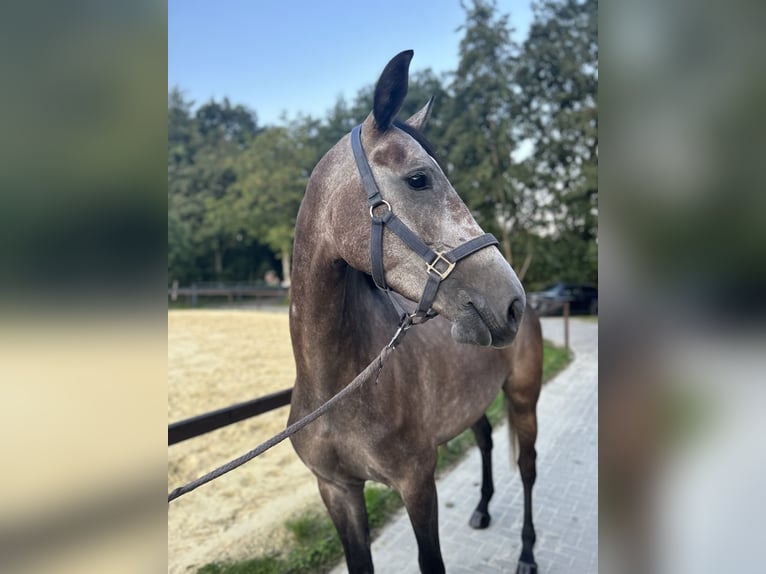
point(439, 264)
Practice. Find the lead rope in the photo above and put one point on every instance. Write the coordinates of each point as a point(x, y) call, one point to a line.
point(375, 366)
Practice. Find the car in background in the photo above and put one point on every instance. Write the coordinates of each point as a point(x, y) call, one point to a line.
point(582, 298)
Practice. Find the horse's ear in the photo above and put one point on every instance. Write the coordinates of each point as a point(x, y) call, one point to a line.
point(418, 119)
point(391, 90)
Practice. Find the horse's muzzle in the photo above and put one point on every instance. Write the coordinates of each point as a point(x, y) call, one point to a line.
point(478, 324)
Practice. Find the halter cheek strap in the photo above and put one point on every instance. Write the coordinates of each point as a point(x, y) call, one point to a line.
point(439, 264)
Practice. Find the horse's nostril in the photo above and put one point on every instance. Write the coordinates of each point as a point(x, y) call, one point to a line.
point(515, 311)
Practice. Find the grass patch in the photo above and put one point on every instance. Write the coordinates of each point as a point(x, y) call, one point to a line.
point(554, 360)
point(260, 565)
point(316, 547)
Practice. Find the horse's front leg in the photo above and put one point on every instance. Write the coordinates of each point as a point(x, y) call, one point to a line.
point(345, 503)
point(418, 492)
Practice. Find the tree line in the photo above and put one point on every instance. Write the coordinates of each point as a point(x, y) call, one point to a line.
point(516, 127)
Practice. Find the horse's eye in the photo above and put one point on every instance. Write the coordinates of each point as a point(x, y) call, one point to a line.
point(417, 180)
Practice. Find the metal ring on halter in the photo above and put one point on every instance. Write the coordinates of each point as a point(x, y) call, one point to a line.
point(381, 202)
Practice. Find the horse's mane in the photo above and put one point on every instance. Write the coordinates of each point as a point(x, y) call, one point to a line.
point(419, 137)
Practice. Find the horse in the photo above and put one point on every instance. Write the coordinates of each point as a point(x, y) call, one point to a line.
point(473, 334)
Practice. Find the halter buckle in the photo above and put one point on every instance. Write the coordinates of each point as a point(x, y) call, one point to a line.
point(440, 257)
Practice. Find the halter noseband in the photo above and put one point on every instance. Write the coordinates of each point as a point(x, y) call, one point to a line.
point(439, 264)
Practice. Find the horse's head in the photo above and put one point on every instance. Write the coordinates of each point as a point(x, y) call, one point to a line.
point(481, 294)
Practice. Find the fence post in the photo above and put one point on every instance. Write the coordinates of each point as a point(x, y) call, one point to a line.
point(194, 295)
point(566, 325)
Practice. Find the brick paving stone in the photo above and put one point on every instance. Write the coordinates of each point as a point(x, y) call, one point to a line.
point(565, 494)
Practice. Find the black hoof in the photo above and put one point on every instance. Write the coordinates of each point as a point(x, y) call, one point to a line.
point(526, 568)
point(479, 520)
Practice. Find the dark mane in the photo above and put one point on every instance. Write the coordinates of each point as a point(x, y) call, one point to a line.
point(419, 137)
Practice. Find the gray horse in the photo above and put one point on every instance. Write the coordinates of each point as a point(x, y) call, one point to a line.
point(446, 372)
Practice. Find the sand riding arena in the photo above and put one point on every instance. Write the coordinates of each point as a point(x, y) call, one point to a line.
point(217, 358)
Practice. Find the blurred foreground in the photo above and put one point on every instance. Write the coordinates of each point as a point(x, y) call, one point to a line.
point(82, 249)
point(682, 264)
point(83, 482)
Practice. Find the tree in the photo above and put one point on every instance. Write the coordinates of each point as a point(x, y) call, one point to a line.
point(183, 142)
point(425, 84)
point(183, 137)
point(234, 187)
point(272, 178)
point(479, 134)
point(226, 123)
point(180, 248)
point(202, 152)
point(558, 79)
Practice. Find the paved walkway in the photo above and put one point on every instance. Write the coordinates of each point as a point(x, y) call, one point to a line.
point(565, 494)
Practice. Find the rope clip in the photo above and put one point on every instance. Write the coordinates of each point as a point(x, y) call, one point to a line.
point(404, 326)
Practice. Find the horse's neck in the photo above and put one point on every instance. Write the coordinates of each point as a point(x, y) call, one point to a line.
point(334, 314)
point(316, 295)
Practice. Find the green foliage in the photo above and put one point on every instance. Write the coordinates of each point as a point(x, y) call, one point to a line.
point(183, 137)
point(180, 248)
point(554, 360)
point(479, 134)
point(262, 565)
point(558, 84)
point(308, 527)
point(219, 123)
point(381, 503)
point(202, 218)
point(271, 179)
point(514, 125)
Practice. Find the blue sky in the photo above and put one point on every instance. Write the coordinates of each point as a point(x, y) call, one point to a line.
point(296, 56)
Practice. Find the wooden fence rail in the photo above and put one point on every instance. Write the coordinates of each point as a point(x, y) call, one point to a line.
point(232, 293)
point(204, 423)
